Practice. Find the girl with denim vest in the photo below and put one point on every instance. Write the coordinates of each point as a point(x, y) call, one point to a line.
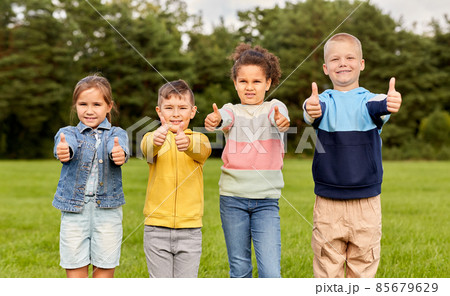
point(89, 192)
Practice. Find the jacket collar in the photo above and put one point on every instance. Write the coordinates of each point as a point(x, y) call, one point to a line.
point(104, 125)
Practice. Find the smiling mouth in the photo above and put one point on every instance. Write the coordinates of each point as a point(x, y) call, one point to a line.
point(176, 121)
point(343, 71)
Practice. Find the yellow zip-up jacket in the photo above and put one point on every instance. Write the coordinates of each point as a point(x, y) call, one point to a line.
point(175, 184)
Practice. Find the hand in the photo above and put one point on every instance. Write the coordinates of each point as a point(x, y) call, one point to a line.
point(213, 119)
point(312, 106)
point(181, 140)
point(394, 98)
point(281, 121)
point(117, 153)
point(62, 149)
point(159, 137)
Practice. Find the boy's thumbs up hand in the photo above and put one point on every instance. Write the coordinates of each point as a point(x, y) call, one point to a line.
point(62, 149)
point(117, 153)
point(181, 140)
point(160, 134)
point(394, 98)
point(213, 119)
point(281, 121)
point(312, 106)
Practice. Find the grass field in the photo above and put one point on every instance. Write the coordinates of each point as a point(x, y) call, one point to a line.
point(415, 205)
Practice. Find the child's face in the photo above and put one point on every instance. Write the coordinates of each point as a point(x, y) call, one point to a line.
point(251, 84)
point(92, 107)
point(343, 63)
point(176, 109)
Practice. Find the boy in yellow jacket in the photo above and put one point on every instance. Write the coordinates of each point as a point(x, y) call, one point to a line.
point(174, 202)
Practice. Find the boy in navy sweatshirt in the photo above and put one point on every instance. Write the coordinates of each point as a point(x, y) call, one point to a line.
point(348, 173)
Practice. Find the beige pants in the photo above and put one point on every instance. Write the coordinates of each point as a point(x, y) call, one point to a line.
point(346, 237)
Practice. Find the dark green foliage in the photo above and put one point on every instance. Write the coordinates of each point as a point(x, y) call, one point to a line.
point(47, 46)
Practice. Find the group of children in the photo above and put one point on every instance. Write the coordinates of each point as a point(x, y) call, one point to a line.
point(347, 174)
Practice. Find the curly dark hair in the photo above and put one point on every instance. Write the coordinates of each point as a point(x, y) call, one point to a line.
point(244, 54)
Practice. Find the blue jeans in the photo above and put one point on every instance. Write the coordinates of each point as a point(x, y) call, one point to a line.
point(244, 220)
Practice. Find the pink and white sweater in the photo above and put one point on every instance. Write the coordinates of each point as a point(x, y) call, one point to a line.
point(254, 151)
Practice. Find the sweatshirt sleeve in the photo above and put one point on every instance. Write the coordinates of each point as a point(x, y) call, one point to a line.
point(377, 107)
point(199, 148)
point(227, 114)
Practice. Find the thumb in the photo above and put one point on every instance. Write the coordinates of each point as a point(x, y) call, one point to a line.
point(116, 142)
point(180, 129)
point(62, 138)
point(216, 110)
point(277, 111)
point(315, 91)
point(392, 84)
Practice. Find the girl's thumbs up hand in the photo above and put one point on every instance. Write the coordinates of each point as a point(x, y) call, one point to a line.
point(62, 149)
point(117, 153)
point(213, 119)
point(281, 121)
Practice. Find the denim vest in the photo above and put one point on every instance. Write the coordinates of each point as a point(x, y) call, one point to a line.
point(70, 192)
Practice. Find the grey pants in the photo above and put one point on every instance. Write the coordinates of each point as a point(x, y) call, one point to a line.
point(172, 253)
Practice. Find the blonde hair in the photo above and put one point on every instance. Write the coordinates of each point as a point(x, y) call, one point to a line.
point(342, 37)
point(98, 82)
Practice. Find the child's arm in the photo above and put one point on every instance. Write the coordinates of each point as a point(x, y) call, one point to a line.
point(312, 108)
point(382, 105)
point(199, 148)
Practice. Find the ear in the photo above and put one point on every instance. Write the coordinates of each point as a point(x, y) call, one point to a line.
point(325, 69)
point(269, 83)
point(158, 111)
point(193, 111)
point(363, 65)
point(110, 107)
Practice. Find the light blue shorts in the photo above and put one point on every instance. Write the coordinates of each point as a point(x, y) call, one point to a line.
point(93, 236)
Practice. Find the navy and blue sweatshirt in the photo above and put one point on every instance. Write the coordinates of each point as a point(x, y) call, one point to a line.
point(349, 166)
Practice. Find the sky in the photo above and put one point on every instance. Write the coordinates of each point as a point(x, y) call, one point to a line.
point(419, 11)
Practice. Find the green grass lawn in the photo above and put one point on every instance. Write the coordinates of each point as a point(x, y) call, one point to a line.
point(415, 205)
